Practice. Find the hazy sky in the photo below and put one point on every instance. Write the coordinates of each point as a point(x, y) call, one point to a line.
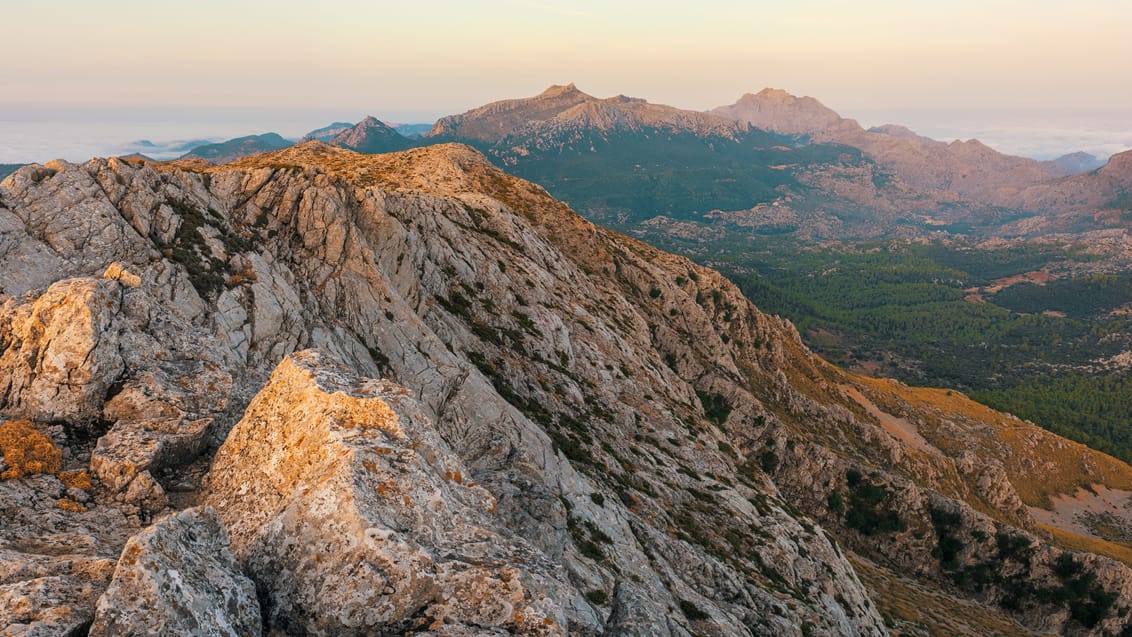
point(1029, 63)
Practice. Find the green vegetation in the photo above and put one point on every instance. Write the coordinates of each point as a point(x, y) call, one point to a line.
point(1093, 409)
point(1007, 566)
point(1080, 298)
point(716, 408)
point(869, 506)
point(628, 176)
point(905, 311)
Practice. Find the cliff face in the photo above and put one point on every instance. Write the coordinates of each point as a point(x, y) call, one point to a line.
point(513, 420)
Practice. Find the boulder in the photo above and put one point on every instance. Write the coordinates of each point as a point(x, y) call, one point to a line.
point(354, 518)
point(178, 577)
point(59, 352)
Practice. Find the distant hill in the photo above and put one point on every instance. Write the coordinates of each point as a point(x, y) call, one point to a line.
point(1079, 162)
point(412, 130)
point(232, 149)
point(371, 136)
point(326, 133)
point(8, 169)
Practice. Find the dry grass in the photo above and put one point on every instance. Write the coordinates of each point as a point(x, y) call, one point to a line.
point(913, 609)
point(27, 450)
point(1039, 464)
point(1076, 542)
point(67, 504)
point(76, 480)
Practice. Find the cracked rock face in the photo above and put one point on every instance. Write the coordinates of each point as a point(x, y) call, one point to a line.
point(59, 352)
point(178, 577)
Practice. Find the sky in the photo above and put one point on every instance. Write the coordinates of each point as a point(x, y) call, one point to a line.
point(1031, 75)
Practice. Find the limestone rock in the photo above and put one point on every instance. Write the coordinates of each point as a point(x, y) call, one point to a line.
point(179, 577)
point(59, 352)
point(131, 447)
point(634, 614)
point(354, 517)
point(54, 563)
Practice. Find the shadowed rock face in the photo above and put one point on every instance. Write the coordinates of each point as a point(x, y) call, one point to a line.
point(178, 577)
point(512, 420)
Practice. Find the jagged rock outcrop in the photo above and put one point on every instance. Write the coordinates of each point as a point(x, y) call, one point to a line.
point(178, 577)
point(619, 429)
point(59, 353)
point(355, 518)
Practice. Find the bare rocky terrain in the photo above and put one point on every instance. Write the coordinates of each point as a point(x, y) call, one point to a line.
point(411, 394)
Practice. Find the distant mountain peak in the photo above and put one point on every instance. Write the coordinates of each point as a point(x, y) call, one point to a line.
point(564, 107)
point(1079, 162)
point(370, 136)
point(560, 89)
point(895, 130)
point(777, 110)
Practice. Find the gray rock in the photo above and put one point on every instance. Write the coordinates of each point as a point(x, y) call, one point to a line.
point(178, 577)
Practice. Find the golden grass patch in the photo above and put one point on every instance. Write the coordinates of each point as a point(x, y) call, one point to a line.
point(27, 450)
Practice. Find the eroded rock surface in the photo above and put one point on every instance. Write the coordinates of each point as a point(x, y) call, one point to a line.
point(355, 518)
point(178, 577)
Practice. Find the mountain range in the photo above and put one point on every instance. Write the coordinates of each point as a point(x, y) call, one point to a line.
point(624, 161)
point(369, 384)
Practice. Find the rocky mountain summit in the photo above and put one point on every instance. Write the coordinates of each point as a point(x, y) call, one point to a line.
point(412, 394)
point(371, 136)
point(559, 109)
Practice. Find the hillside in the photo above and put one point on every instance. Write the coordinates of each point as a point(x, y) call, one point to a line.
point(967, 168)
point(370, 136)
point(486, 414)
point(223, 152)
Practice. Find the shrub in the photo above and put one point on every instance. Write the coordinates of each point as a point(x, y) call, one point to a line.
point(27, 451)
point(691, 611)
point(716, 408)
point(868, 511)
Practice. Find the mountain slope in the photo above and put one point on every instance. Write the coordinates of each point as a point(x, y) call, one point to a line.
point(370, 136)
point(224, 152)
point(969, 169)
point(326, 133)
point(623, 160)
point(626, 444)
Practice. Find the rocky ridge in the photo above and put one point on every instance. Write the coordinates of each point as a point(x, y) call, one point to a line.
point(559, 109)
point(514, 420)
point(969, 168)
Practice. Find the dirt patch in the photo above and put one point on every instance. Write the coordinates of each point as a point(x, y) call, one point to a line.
point(1038, 277)
point(1099, 512)
point(899, 427)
